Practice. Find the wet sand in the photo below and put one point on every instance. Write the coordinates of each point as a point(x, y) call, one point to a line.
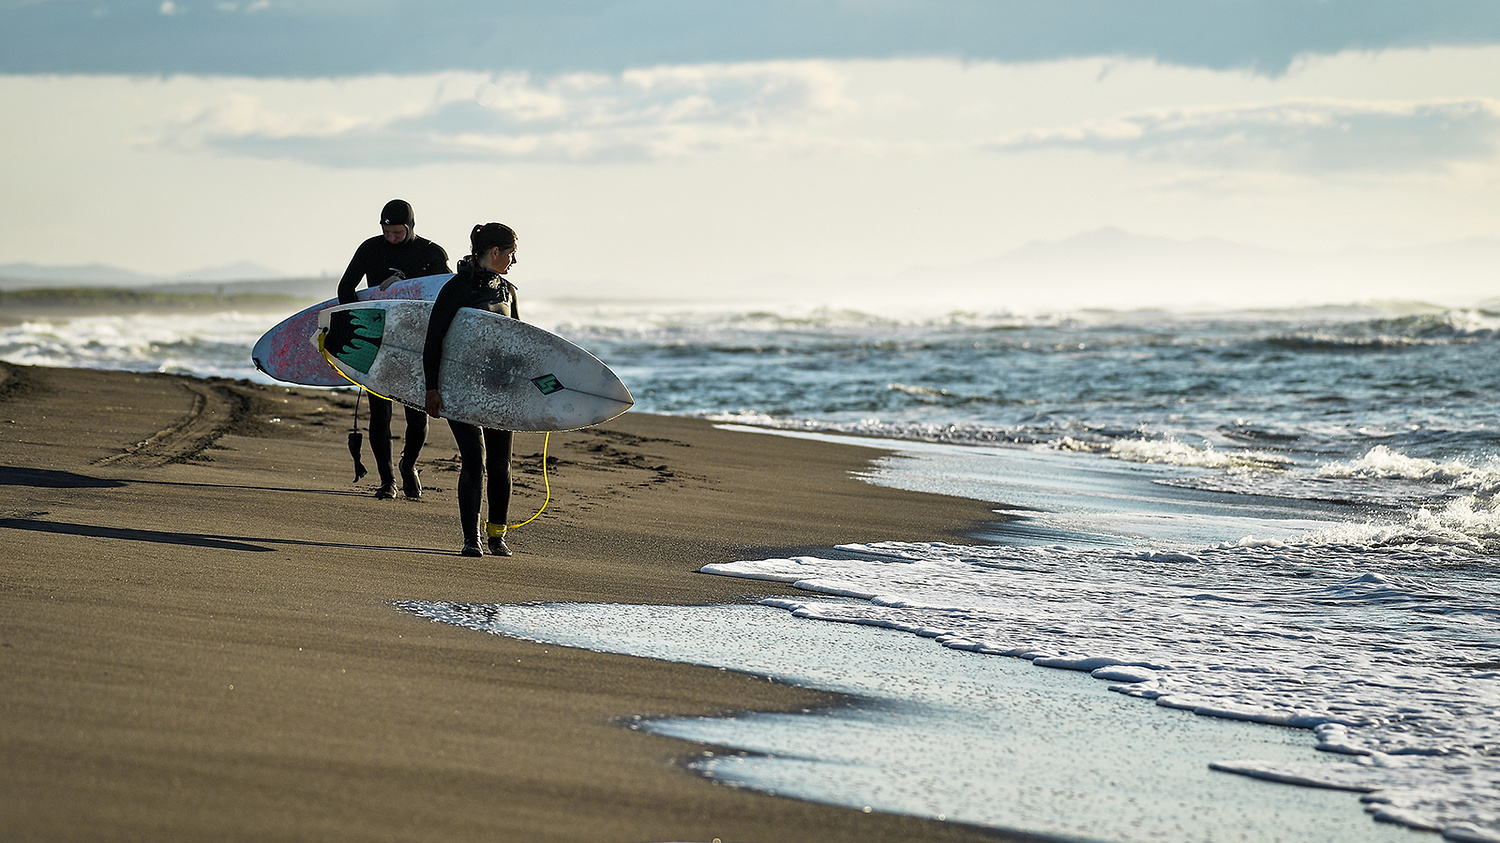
point(197, 636)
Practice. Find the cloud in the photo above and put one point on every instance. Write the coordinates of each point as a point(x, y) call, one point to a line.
point(1296, 136)
point(783, 108)
point(637, 115)
point(343, 38)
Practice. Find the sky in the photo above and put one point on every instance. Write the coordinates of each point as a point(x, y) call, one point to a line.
point(952, 153)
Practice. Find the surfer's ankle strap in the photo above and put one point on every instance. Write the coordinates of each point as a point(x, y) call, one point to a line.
point(494, 531)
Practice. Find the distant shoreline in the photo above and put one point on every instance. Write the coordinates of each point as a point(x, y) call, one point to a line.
point(17, 306)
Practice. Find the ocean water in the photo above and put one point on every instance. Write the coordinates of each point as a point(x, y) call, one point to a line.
point(1286, 519)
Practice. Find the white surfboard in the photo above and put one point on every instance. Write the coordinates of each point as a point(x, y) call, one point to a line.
point(496, 371)
point(283, 352)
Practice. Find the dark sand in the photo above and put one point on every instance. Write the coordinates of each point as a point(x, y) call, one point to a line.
point(197, 637)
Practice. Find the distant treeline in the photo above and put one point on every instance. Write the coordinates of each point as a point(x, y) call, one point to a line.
point(117, 297)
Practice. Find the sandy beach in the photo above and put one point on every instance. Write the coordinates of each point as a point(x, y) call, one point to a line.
point(198, 638)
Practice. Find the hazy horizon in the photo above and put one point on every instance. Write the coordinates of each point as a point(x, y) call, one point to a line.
point(1108, 268)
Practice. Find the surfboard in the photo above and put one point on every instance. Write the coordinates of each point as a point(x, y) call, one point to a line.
point(283, 352)
point(495, 372)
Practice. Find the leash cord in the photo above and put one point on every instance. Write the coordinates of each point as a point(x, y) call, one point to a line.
point(546, 483)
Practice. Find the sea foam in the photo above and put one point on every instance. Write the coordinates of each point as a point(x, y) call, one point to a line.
point(1387, 655)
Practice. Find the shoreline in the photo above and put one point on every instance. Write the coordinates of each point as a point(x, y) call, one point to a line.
point(66, 303)
point(199, 635)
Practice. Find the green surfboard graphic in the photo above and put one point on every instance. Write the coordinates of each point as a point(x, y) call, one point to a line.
point(354, 336)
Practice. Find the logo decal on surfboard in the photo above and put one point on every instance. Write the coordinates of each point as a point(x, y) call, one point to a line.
point(354, 336)
point(548, 384)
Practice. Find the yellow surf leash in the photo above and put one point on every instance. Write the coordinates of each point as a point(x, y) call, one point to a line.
point(492, 530)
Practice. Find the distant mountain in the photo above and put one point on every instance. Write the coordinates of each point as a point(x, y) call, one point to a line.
point(1112, 268)
point(25, 275)
point(238, 271)
point(1114, 246)
point(313, 289)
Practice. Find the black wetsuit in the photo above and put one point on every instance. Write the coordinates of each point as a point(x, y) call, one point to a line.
point(483, 452)
point(374, 261)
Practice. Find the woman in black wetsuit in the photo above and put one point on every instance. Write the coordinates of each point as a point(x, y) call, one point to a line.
point(483, 452)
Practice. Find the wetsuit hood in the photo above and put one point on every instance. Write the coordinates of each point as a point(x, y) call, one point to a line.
point(399, 212)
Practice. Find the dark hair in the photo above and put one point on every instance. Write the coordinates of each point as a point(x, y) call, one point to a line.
point(491, 234)
point(398, 212)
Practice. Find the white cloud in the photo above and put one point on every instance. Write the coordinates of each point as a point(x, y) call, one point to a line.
point(232, 6)
point(795, 108)
point(638, 115)
point(1302, 136)
point(241, 115)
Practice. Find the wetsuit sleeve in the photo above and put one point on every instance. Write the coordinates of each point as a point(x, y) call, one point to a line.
point(515, 302)
point(438, 263)
point(352, 275)
point(443, 311)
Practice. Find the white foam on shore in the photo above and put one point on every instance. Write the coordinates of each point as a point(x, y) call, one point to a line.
point(1388, 657)
point(207, 344)
point(935, 732)
point(1382, 463)
point(1059, 497)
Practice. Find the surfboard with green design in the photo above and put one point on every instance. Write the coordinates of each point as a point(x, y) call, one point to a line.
point(354, 336)
point(494, 372)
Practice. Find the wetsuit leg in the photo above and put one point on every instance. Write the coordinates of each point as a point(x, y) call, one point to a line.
point(497, 451)
point(416, 436)
point(380, 437)
point(470, 476)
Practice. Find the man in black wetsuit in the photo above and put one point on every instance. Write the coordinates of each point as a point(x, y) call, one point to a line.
point(396, 254)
